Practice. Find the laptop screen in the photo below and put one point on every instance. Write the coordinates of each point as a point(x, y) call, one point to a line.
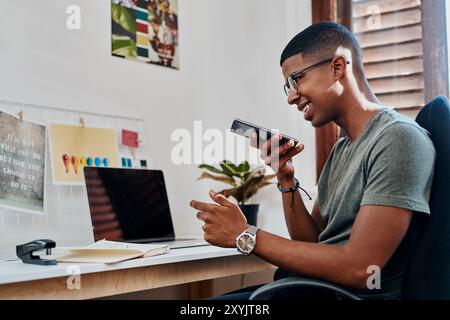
point(128, 204)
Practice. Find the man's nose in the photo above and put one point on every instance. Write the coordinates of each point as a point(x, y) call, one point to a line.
point(293, 97)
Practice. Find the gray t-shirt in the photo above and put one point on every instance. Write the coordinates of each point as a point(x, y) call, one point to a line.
point(390, 164)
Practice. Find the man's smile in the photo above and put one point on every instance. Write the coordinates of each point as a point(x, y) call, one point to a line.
point(304, 106)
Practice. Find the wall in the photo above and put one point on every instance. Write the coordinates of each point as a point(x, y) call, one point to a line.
point(229, 55)
point(66, 220)
point(447, 14)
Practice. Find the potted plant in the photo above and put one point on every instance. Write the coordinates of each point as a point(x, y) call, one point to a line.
point(244, 183)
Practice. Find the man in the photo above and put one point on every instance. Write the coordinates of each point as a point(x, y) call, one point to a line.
point(376, 178)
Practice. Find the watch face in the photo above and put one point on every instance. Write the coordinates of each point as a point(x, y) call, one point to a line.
point(246, 242)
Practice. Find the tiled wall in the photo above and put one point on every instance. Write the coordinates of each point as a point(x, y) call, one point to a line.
point(66, 218)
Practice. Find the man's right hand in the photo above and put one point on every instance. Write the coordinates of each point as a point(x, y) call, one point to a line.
point(279, 158)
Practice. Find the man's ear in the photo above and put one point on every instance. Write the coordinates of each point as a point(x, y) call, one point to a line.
point(339, 64)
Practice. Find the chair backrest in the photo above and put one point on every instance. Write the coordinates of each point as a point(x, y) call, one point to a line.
point(428, 272)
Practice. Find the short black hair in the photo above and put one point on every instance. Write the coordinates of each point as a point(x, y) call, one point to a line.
point(321, 40)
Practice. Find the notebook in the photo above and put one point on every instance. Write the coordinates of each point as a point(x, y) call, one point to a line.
point(109, 252)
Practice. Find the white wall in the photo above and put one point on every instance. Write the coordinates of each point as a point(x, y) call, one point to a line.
point(447, 14)
point(229, 58)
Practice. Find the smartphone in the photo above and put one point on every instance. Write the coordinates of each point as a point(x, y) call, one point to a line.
point(245, 129)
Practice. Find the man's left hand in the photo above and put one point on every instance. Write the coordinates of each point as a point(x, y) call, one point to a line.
point(224, 221)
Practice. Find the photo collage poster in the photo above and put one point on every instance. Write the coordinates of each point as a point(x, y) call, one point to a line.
point(146, 31)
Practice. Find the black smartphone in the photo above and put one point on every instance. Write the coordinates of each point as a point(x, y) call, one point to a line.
point(245, 129)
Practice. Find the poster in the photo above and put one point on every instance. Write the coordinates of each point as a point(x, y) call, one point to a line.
point(22, 164)
point(146, 30)
point(74, 147)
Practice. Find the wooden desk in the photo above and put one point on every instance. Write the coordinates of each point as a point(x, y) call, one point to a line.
point(25, 281)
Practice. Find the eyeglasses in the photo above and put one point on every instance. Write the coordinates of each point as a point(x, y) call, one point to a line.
point(292, 79)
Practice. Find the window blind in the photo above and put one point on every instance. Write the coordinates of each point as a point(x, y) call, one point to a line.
point(390, 35)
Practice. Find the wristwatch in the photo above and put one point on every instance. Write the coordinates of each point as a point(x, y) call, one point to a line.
point(246, 241)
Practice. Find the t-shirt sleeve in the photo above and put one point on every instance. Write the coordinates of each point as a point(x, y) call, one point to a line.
point(400, 169)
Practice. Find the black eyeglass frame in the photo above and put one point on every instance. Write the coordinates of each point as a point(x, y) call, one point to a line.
point(297, 74)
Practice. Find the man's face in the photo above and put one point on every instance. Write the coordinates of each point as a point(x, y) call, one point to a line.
point(313, 96)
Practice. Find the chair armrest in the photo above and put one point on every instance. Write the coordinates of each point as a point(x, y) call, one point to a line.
point(269, 290)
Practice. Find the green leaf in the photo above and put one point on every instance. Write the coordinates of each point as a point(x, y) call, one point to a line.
point(230, 165)
point(210, 168)
point(244, 167)
point(228, 168)
point(122, 16)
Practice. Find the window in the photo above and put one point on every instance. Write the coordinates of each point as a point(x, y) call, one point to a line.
point(404, 44)
point(390, 35)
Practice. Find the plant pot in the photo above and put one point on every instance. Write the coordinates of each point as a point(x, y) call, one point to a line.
point(250, 211)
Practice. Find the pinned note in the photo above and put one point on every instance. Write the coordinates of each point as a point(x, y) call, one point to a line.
point(130, 138)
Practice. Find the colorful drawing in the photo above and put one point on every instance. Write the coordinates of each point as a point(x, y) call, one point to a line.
point(22, 164)
point(146, 30)
point(74, 147)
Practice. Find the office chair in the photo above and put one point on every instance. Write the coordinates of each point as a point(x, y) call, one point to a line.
point(427, 274)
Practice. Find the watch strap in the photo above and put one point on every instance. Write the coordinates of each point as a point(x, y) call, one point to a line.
point(252, 230)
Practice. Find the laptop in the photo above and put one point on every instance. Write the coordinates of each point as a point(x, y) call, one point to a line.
point(131, 205)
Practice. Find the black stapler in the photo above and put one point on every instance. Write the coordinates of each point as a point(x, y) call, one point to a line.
point(25, 252)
